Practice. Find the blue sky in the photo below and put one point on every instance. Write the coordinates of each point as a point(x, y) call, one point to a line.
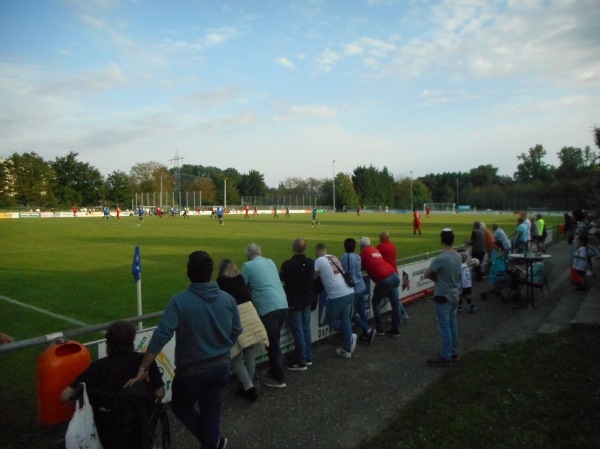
point(287, 87)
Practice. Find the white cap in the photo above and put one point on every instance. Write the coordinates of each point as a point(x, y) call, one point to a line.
point(364, 241)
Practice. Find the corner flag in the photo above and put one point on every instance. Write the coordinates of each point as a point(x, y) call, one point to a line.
point(136, 268)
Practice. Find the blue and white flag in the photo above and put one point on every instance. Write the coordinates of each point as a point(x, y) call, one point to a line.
point(136, 268)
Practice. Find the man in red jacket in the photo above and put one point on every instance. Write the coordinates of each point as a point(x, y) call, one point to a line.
point(386, 280)
point(387, 248)
point(389, 254)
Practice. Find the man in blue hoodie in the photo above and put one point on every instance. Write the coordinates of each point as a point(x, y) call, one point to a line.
point(207, 324)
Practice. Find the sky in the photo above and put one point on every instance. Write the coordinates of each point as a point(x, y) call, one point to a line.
point(289, 87)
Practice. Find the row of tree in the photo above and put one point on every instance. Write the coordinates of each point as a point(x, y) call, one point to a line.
point(30, 181)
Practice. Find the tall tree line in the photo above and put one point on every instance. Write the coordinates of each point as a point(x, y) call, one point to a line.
point(28, 180)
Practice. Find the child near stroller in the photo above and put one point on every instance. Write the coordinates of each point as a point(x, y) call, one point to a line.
point(504, 279)
point(466, 282)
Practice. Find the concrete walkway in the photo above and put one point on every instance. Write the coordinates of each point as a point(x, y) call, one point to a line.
point(338, 403)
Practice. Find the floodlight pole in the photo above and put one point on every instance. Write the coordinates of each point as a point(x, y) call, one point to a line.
point(411, 193)
point(225, 194)
point(457, 202)
point(333, 183)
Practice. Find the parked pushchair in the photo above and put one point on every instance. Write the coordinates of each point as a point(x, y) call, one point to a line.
point(503, 277)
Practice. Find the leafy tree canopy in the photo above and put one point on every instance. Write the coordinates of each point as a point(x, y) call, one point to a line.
point(75, 182)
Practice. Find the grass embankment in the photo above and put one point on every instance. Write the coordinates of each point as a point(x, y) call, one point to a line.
point(544, 393)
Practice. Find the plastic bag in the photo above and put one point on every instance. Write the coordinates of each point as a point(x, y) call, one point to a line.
point(82, 432)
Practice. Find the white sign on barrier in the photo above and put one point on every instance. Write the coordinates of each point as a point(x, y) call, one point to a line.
point(413, 284)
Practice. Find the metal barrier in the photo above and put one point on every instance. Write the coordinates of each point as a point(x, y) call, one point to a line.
point(51, 338)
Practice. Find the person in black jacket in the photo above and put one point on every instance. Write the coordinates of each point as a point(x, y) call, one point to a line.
point(105, 378)
point(297, 277)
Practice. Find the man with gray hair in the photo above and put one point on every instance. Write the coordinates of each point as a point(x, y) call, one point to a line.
point(500, 236)
point(270, 301)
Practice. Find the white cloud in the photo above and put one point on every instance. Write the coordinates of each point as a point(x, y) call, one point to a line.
point(213, 98)
point(234, 121)
point(285, 62)
point(84, 82)
point(327, 59)
point(526, 107)
point(554, 42)
point(354, 48)
point(96, 4)
point(373, 47)
point(305, 112)
point(218, 36)
point(214, 37)
point(434, 97)
point(372, 51)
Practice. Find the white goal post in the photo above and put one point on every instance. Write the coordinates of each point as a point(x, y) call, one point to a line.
point(440, 207)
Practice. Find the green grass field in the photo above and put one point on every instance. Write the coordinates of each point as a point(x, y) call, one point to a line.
point(81, 268)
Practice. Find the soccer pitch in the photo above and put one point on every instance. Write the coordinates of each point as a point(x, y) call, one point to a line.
point(80, 268)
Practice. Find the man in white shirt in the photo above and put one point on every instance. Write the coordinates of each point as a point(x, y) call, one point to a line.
point(340, 297)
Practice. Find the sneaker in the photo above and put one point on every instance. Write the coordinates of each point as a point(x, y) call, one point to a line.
point(440, 363)
point(309, 363)
point(380, 331)
point(268, 381)
point(342, 353)
point(252, 394)
point(296, 367)
point(393, 332)
point(353, 344)
point(222, 444)
point(472, 309)
point(371, 336)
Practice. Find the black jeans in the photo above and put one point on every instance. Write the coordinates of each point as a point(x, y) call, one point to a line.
point(273, 322)
point(204, 390)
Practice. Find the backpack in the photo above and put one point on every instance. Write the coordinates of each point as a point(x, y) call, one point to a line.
point(131, 413)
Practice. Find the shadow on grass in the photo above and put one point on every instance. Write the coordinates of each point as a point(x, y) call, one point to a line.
point(543, 393)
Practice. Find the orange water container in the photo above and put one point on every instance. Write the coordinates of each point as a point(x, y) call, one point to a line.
point(58, 366)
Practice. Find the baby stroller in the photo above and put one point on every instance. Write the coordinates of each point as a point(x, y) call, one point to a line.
point(504, 280)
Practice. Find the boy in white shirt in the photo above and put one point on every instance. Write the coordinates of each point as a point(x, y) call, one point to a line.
point(466, 283)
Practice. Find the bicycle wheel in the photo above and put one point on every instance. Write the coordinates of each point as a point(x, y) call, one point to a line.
point(160, 432)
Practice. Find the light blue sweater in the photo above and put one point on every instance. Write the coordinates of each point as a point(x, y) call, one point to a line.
point(207, 323)
point(262, 276)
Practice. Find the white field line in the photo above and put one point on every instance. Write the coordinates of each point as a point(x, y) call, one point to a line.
point(49, 247)
point(43, 311)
